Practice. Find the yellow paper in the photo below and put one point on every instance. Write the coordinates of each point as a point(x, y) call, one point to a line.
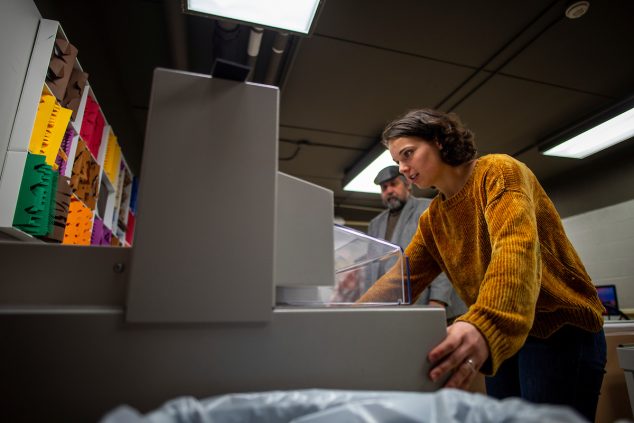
point(112, 159)
point(55, 133)
point(44, 111)
point(50, 125)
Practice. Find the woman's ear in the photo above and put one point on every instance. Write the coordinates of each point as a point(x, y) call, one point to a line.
point(439, 145)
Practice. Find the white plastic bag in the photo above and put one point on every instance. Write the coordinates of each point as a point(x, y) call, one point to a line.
point(322, 406)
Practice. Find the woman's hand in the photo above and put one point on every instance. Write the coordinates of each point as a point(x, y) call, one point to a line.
point(463, 351)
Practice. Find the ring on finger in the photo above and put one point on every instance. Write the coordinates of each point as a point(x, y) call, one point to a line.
point(471, 364)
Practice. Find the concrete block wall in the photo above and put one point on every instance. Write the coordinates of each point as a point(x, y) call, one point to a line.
point(604, 239)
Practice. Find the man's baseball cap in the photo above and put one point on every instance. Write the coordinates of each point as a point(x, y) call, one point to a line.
point(386, 174)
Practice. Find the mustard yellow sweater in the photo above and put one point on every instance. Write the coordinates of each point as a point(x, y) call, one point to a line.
point(501, 243)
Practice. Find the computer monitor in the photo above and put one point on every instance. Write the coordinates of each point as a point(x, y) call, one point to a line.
point(609, 299)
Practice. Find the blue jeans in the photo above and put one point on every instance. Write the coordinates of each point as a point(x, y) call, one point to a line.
point(567, 368)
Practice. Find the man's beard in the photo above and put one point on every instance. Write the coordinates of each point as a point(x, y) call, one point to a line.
point(394, 203)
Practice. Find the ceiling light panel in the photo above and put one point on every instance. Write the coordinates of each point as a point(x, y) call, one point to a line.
point(602, 136)
point(290, 15)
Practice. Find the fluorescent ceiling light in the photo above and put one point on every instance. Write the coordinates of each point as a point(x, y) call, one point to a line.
point(364, 181)
point(610, 132)
point(290, 15)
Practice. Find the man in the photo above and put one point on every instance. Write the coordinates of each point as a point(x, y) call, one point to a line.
point(398, 224)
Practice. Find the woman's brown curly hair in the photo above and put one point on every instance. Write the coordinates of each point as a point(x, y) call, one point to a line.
point(458, 145)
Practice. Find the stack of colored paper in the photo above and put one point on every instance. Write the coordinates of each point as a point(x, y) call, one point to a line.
point(129, 233)
point(60, 67)
point(133, 194)
point(92, 126)
point(112, 159)
point(50, 125)
point(74, 90)
point(78, 223)
point(34, 211)
point(85, 176)
point(62, 203)
point(64, 150)
point(101, 235)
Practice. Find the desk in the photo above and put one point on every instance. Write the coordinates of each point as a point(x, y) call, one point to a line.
point(614, 402)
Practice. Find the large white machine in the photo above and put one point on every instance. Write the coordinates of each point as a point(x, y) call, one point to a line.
point(191, 308)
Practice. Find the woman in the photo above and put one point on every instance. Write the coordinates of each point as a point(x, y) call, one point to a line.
point(534, 322)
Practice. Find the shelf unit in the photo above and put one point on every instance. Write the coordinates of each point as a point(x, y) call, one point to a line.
point(91, 201)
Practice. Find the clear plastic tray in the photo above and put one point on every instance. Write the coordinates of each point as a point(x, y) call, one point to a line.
point(359, 261)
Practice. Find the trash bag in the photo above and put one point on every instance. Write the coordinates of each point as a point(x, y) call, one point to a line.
point(322, 406)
